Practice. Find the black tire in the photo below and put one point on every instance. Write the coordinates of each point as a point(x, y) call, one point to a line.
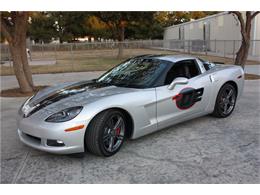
point(96, 140)
point(220, 110)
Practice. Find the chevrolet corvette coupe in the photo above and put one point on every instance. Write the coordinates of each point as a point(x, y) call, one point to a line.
point(139, 96)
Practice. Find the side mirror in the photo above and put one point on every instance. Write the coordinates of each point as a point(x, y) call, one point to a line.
point(178, 81)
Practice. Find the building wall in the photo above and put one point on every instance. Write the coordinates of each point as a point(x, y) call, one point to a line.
point(222, 27)
point(256, 36)
point(171, 33)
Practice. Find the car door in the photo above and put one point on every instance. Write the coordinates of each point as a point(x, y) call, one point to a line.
point(184, 101)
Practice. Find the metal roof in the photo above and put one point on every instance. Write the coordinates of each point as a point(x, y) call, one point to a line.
point(198, 20)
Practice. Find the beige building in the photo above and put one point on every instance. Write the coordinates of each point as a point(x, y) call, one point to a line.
point(220, 31)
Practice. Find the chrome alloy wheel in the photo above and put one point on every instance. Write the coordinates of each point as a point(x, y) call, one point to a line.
point(227, 100)
point(114, 132)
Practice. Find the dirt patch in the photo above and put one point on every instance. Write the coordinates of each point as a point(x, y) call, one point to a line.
point(16, 92)
point(252, 76)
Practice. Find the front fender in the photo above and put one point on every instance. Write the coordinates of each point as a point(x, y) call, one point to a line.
point(141, 105)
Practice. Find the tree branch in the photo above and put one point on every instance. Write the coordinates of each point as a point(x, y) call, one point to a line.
point(242, 22)
point(254, 14)
point(240, 18)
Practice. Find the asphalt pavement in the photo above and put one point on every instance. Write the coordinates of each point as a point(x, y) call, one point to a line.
point(203, 150)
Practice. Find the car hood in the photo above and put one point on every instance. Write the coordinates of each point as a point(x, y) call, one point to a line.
point(54, 99)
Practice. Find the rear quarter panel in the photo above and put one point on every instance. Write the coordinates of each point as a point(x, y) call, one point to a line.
point(223, 74)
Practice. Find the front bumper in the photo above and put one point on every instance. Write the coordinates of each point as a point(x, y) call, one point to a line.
point(35, 134)
point(41, 144)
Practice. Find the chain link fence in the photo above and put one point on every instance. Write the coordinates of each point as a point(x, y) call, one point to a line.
point(79, 53)
point(221, 48)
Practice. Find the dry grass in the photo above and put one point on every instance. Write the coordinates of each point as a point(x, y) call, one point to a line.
point(93, 60)
point(252, 77)
point(62, 66)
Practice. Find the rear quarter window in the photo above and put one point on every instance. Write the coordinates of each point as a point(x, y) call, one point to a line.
point(207, 65)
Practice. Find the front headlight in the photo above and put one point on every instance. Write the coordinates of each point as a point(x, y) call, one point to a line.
point(65, 115)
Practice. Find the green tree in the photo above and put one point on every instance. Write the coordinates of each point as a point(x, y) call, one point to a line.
point(41, 27)
point(97, 28)
point(144, 30)
point(69, 25)
point(118, 21)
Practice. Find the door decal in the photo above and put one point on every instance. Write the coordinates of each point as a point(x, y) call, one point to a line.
point(188, 97)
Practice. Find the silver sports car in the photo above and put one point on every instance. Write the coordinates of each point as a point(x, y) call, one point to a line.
point(139, 96)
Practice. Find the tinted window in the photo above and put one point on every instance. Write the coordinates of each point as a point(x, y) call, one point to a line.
point(207, 65)
point(139, 73)
point(186, 68)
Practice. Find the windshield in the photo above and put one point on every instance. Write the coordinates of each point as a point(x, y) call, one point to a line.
point(136, 73)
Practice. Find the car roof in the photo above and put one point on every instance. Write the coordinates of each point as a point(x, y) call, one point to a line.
point(168, 57)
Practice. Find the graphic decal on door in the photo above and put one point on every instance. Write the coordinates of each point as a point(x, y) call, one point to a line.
point(188, 97)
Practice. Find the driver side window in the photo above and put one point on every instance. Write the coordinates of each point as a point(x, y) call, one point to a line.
point(185, 68)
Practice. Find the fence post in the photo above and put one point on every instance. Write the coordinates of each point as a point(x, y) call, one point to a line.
point(71, 53)
point(234, 47)
point(189, 46)
point(31, 51)
point(183, 43)
point(55, 53)
point(42, 49)
point(206, 47)
point(9, 56)
point(224, 48)
point(215, 45)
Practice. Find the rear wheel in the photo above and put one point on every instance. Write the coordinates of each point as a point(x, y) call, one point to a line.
point(106, 133)
point(226, 101)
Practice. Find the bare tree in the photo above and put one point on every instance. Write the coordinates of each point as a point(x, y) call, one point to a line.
point(245, 29)
point(14, 27)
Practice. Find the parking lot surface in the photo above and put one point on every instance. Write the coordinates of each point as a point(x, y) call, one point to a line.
point(203, 150)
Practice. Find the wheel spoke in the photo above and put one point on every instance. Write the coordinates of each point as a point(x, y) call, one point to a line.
point(118, 123)
point(222, 104)
point(120, 137)
point(230, 93)
point(106, 137)
point(225, 108)
point(111, 143)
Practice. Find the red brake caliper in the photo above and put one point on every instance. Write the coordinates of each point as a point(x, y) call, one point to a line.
point(118, 131)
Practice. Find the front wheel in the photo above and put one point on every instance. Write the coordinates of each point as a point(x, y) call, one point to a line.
point(226, 101)
point(106, 133)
